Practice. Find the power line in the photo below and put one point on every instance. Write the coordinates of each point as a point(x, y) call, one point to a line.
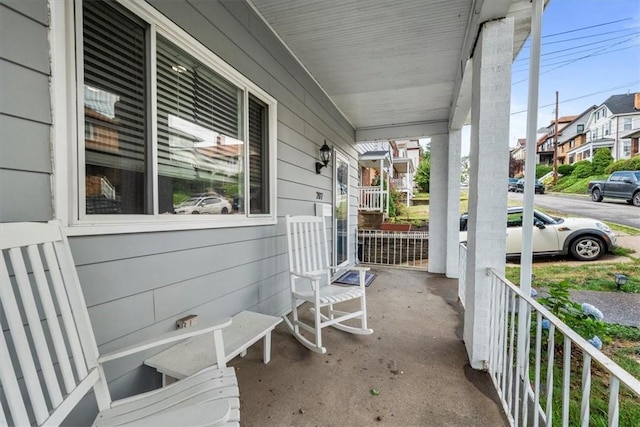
point(567, 61)
point(577, 46)
point(623, 86)
point(571, 61)
point(586, 28)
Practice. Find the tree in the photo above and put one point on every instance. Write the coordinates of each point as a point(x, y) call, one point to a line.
point(601, 159)
point(464, 169)
point(423, 172)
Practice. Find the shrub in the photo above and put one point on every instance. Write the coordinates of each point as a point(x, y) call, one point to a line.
point(565, 169)
point(582, 169)
point(422, 174)
point(601, 159)
point(625, 164)
point(542, 170)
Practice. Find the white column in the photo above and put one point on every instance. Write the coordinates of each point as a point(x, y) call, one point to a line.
point(438, 186)
point(491, 92)
point(453, 203)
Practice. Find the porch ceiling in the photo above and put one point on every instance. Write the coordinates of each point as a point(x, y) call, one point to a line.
point(390, 65)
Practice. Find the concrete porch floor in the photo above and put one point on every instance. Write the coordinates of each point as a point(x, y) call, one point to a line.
point(415, 359)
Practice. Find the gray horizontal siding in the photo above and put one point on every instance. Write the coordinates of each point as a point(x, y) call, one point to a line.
point(33, 49)
point(25, 196)
point(25, 112)
point(26, 145)
point(37, 10)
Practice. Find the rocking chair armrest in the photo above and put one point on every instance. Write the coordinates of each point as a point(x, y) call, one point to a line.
point(167, 338)
point(310, 276)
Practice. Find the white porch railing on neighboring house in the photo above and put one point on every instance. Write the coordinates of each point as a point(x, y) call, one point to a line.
point(398, 248)
point(400, 184)
point(536, 383)
point(372, 199)
point(462, 277)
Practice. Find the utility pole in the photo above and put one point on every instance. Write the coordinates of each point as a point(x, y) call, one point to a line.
point(555, 145)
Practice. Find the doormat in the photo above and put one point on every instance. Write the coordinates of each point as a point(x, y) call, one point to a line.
point(353, 278)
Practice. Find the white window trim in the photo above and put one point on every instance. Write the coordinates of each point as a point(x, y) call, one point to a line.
point(68, 125)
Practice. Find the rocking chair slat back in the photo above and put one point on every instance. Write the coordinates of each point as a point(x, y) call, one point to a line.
point(307, 244)
point(47, 322)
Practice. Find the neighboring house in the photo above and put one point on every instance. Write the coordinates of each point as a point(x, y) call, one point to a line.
point(613, 125)
point(406, 157)
point(516, 158)
point(545, 144)
point(573, 137)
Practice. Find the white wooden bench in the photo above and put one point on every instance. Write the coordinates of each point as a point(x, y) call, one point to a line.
point(195, 354)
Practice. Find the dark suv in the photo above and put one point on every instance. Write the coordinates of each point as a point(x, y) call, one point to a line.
point(539, 187)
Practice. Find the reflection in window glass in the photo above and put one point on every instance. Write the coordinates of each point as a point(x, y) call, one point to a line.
point(200, 141)
point(258, 157)
point(114, 111)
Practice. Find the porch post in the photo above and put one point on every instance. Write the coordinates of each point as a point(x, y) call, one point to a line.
point(438, 186)
point(486, 238)
point(381, 183)
point(453, 204)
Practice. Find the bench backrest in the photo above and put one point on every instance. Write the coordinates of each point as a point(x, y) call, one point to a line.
point(48, 351)
point(307, 244)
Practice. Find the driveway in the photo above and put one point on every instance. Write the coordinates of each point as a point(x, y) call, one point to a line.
point(612, 210)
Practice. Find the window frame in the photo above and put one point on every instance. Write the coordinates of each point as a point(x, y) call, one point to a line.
point(68, 131)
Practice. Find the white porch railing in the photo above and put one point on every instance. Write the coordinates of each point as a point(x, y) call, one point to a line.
point(372, 199)
point(399, 248)
point(526, 378)
point(462, 277)
point(400, 184)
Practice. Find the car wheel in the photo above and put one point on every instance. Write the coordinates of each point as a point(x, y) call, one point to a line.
point(630, 201)
point(224, 211)
point(636, 199)
point(195, 213)
point(587, 248)
point(596, 195)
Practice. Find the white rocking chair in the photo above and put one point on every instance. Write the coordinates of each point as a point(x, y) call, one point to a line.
point(309, 262)
point(56, 359)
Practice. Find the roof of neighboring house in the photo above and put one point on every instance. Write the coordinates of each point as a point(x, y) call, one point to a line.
point(620, 104)
point(371, 159)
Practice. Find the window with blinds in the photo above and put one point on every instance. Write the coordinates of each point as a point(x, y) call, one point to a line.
point(115, 119)
point(201, 148)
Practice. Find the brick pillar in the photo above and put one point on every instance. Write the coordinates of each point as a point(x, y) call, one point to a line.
point(490, 103)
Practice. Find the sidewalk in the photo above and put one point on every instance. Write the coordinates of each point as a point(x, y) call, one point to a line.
point(617, 307)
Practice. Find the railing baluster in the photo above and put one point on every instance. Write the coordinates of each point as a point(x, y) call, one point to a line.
point(536, 396)
point(550, 365)
point(586, 389)
point(511, 345)
point(614, 406)
point(566, 384)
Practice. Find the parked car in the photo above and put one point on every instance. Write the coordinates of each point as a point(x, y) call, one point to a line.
point(204, 205)
point(584, 238)
point(539, 187)
point(511, 186)
point(619, 185)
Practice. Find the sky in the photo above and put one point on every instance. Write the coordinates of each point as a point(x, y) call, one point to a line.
point(590, 51)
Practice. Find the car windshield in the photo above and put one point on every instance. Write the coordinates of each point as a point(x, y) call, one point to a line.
point(546, 218)
point(637, 175)
point(190, 202)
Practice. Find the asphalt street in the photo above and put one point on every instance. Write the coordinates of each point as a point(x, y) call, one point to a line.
point(613, 210)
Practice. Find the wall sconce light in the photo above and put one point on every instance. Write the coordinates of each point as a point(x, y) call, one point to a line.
point(621, 279)
point(325, 156)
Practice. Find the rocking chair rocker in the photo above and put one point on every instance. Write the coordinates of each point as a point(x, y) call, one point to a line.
point(309, 262)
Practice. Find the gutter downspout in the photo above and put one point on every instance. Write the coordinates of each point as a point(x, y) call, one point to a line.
point(530, 174)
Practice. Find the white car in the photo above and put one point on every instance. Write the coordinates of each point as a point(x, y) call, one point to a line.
point(584, 238)
point(204, 205)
